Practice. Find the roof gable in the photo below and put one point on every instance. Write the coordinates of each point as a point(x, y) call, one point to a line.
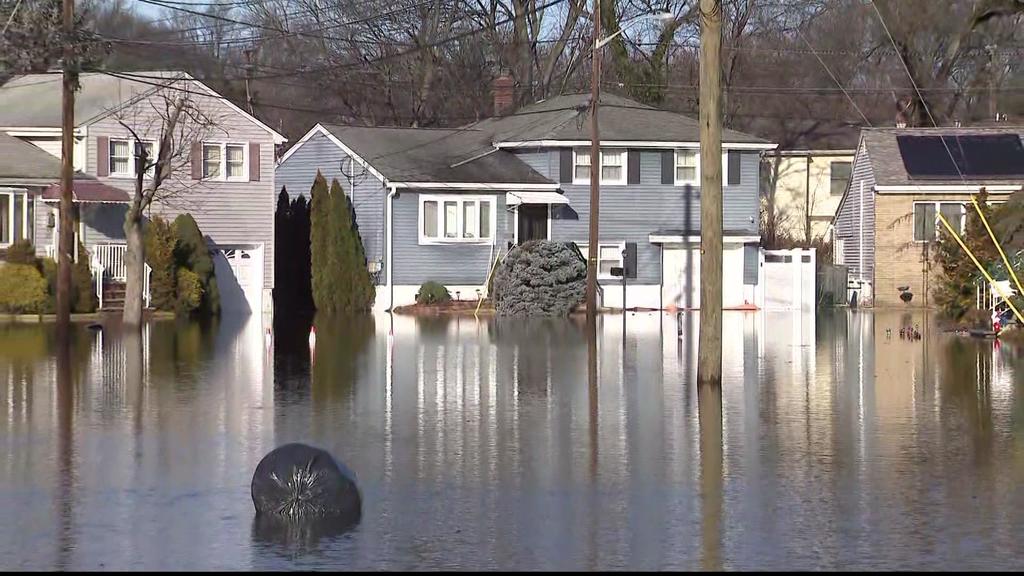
point(21, 161)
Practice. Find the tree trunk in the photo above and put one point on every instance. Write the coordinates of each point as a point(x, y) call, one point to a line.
point(134, 265)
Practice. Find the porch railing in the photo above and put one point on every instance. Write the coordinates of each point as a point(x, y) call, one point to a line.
point(107, 262)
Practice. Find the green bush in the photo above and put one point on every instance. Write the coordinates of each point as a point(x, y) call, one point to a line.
point(159, 239)
point(192, 253)
point(190, 291)
point(22, 289)
point(22, 252)
point(83, 290)
point(432, 293)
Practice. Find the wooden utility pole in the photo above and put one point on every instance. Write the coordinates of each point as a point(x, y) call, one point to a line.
point(67, 175)
point(709, 352)
point(593, 248)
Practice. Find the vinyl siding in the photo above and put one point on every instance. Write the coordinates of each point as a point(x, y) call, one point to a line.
point(630, 213)
point(451, 264)
point(103, 223)
point(368, 194)
point(848, 219)
point(228, 213)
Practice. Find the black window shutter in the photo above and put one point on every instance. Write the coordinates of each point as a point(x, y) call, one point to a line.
point(565, 166)
point(734, 167)
point(633, 172)
point(668, 166)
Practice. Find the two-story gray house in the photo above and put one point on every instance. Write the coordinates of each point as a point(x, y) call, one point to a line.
point(224, 176)
point(445, 204)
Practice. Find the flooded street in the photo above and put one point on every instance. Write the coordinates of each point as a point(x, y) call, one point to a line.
point(508, 444)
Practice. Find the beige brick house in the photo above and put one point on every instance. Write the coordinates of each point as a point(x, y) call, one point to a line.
point(886, 223)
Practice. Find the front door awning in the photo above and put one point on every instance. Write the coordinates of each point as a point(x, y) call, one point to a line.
point(538, 197)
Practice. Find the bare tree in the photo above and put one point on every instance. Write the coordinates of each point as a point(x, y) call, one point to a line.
point(179, 124)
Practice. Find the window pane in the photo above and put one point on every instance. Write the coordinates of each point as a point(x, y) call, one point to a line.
point(583, 158)
point(583, 172)
point(149, 147)
point(19, 215)
point(485, 219)
point(5, 218)
point(840, 175)
point(236, 161)
point(953, 213)
point(430, 219)
point(119, 157)
point(924, 222)
point(686, 174)
point(470, 212)
point(612, 158)
point(211, 161)
point(611, 173)
point(686, 158)
point(451, 215)
point(612, 252)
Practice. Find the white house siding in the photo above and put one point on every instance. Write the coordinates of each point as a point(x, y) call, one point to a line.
point(229, 213)
point(849, 227)
point(367, 192)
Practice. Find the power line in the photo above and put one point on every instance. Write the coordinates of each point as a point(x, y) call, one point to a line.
point(835, 79)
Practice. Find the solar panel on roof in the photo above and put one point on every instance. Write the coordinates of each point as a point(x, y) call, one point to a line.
point(989, 156)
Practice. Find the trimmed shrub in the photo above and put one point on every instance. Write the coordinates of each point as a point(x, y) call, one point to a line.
point(22, 289)
point(190, 291)
point(432, 293)
point(321, 256)
point(192, 253)
point(540, 278)
point(83, 291)
point(160, 241)
point(356, 292)
point(22, 252)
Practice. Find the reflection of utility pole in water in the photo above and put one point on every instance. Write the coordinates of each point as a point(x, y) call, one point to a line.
point(709, 406)
point(592, 390)
point(65, 453)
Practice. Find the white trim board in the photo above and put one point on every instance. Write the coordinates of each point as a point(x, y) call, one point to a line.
point(474, 186)
point(630, 144)
point(948, 188)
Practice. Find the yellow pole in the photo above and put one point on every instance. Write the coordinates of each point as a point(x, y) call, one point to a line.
point(1006, 261)
point(981, 268)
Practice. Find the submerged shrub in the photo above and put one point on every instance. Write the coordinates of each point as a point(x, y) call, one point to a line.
point(540, 278)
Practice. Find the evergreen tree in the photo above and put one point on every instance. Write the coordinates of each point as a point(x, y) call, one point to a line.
point(321, 254)
point(192, 253)
point(954, 292)
point(300, 256)
point(356, 292)
point(284, 269)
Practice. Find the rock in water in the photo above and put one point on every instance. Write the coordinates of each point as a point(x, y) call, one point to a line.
point(540, 278)
point(299, 483)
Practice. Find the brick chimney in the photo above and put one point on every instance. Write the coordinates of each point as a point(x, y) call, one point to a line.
point(504, 94)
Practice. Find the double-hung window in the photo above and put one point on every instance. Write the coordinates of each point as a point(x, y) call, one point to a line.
point(15, 216)
point(839, 175)
point(123, 157)
point(613, 166)
point(687, 167)
point(608, 256)
point(225, 161)
point(456, 219)
point(926, 221)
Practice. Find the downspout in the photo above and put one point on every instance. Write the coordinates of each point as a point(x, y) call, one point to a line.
point(860, 251)
point(807, 202)
point(390, 249)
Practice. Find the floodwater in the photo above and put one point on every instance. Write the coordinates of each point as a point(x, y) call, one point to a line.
point(518, 445)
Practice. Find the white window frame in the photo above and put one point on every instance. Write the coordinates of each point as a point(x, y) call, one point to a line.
point(938, 210)
point(26, 223)
point(460, 200)
point(617, 182)
point(132, 158)
point(222, 175)
point(620, 246)
point(696, 176)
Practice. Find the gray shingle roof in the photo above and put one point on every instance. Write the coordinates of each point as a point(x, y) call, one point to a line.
point(887, 162)
point(21, 162)
point(435, 155)
point(566, 117)
point(34, 100)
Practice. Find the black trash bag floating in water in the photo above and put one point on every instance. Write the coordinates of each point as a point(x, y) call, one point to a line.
point(297, 485)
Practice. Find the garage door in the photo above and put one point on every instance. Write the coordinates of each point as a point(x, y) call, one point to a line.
point(239, 272)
